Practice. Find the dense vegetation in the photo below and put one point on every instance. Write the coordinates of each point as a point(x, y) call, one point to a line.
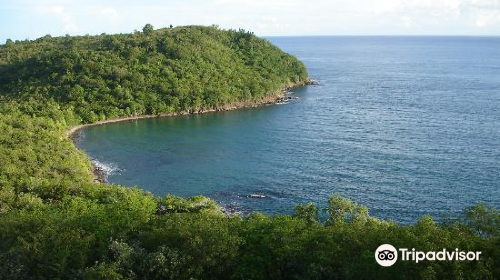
point(168, 70)
point(56, 223)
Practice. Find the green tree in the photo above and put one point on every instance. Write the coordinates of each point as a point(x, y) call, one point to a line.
point(308, 212)
point(483, 219)
point(341, 209)
point(147, 29)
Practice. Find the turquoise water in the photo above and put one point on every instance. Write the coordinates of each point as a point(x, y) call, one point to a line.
point(405, 125)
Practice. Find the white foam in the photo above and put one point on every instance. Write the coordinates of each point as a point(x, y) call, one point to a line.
point(107, 168)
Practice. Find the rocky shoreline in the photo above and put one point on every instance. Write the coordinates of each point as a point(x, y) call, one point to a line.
point(100, 175)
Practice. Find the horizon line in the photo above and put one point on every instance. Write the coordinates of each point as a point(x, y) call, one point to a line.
point(294, 35)
point(386, 35)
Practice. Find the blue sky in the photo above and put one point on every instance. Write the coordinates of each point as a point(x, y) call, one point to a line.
point(31, 19)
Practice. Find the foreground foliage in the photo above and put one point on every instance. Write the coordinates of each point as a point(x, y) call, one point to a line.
point(56, 223)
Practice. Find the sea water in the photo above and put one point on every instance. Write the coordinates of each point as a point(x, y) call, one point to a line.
point(407, 126)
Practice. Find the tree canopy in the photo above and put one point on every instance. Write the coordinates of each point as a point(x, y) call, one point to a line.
point(157, 71)
point(148, 29)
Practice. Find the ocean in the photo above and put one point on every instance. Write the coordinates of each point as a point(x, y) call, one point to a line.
point(408, 126)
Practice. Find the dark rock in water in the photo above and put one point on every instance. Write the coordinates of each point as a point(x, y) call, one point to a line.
point(311, 82)
point(231, 209)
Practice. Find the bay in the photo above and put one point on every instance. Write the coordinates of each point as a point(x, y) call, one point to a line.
point(405, 125)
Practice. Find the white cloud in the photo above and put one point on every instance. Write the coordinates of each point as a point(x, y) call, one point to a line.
point(271, 23)
point(67, 19)
point(488, 4)
point(407, 21)
point(487, 18)
point(418, 12)
point(109, 14)
point(484, 12)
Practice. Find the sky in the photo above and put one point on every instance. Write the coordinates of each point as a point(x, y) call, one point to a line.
point(30, 19)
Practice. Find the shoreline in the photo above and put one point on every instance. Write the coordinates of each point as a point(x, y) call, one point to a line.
point(268, 100)
point(72, 132)
point(100, 175)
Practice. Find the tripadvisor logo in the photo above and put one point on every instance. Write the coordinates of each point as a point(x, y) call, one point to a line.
point(387, 255)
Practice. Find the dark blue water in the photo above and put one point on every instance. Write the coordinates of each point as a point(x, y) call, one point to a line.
point(405, 125)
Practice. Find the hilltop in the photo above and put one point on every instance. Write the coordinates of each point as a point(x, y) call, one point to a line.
point(182, 69)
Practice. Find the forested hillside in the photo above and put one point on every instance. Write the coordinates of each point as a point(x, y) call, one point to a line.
point(57, 223)
point(161, 71)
